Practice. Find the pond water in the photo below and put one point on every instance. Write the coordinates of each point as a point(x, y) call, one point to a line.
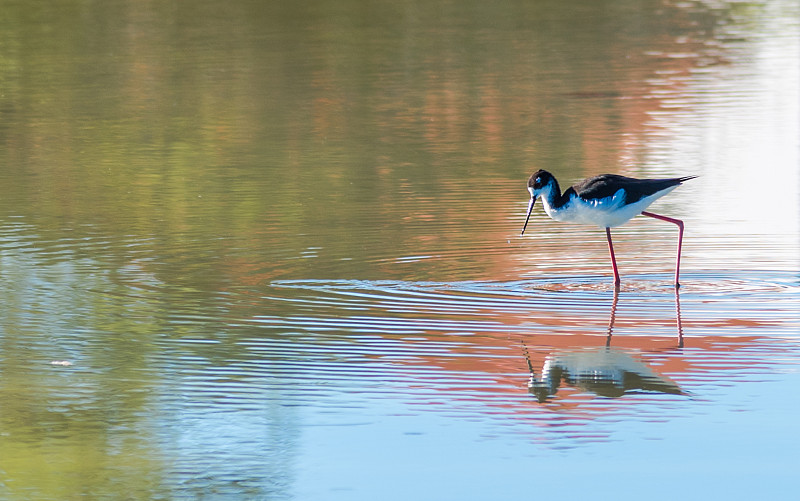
point(252, 250)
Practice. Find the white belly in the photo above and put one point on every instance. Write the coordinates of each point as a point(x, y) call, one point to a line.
point(605, 213)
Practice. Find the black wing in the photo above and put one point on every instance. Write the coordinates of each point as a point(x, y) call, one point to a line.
point(606, 185)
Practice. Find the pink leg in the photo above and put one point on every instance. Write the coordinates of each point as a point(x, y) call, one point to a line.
point(680, 240)
point(614, 314)
point(613, 258)
point(678, 317)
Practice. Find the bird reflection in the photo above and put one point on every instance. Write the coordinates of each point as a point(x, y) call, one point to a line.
point(605, 371)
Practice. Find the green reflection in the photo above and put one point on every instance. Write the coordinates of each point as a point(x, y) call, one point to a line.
point(280, 128)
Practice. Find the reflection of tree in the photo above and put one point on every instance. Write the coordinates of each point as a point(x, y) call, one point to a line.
point(261, 124)
point(130, 414)
point(65, 423)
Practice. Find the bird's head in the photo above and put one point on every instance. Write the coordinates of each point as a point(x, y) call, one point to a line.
point(540, 181)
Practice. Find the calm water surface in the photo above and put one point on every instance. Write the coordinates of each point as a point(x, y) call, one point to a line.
point(257, 251)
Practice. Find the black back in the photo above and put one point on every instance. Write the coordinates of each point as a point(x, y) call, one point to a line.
point(605, 185)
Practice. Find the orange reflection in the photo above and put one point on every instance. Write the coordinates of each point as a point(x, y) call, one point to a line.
point(565, 370)
point(604, 371)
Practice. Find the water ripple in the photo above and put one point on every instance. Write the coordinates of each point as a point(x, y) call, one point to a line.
point(514, 349)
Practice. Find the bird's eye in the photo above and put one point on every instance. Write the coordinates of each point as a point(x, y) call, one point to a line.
point(538, 180)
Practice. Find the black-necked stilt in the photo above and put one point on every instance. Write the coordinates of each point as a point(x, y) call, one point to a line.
point(607, 201)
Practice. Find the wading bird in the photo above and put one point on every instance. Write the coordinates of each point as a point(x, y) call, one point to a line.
point(606, 201)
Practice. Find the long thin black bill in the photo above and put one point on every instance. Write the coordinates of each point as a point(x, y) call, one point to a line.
point(530, 209)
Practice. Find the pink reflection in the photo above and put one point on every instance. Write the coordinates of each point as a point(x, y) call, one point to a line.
point(604, 371)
